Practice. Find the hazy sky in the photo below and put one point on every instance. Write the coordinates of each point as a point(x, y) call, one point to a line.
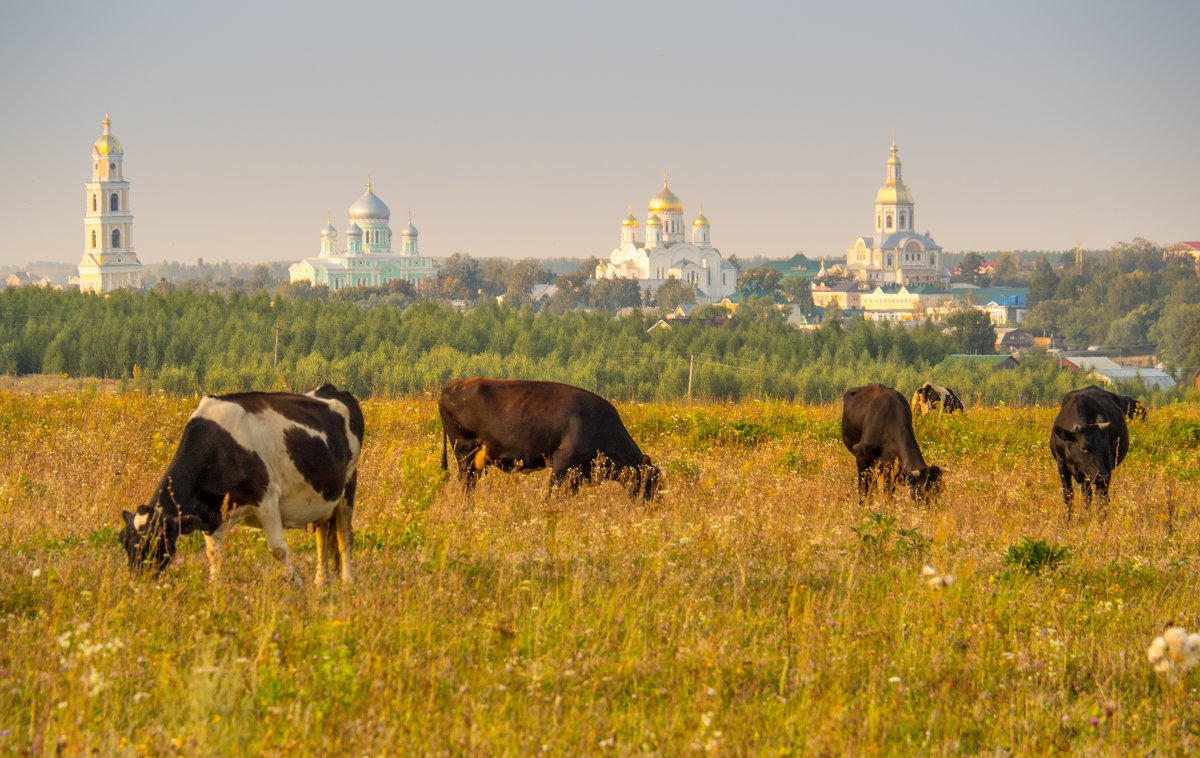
point(526, 128)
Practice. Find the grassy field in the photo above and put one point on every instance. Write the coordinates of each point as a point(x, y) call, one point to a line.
point(756, 608)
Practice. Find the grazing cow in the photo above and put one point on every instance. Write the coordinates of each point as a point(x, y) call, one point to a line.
point(877, 429)
point(527, 425)
point(275, 460)
point(929, 395)
point(1131, 407)
point(1089, 438)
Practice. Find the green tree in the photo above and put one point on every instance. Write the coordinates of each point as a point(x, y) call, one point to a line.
point(972, 330)
point(969, 270)
point(609, 295)
point(760, 280)
point(465, 269)
point(798, 291)
point(761, 308)
point(672, 293)
point(1043, 283)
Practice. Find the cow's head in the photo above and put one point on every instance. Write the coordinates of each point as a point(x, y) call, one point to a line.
point(646, 480)
point(149, 536)
point(1088, 450)
point(924, 483)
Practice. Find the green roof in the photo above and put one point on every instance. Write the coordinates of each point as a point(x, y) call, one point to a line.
point(797, 265)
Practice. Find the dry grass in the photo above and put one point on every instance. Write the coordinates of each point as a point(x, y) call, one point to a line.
point(755, 609)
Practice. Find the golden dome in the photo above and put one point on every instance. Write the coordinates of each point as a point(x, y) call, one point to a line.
point(701, 220)
point(892, 194)
point(654, 220)
point(630, 220)
point(893, 191)
point(107, 144)
point(666, 200)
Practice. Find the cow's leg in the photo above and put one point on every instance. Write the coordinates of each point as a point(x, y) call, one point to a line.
point(568, 470)
point(324, 545)
point(345, 536)
point(1068, 490)
point(865, 477)
point(1085, 486)
point(472, 458)
point(272, 526)
point(213, 541)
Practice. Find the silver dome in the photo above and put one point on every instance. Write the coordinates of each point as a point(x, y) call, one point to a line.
point(354, 231)
point(409, 231)
point(370, 206)
point(329, 231)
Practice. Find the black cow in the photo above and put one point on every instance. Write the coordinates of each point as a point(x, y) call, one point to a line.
point(275, 460)
point(527, 425)
point(1131, 407)
point(1089, 438)
point(930, 395)
point(877, 429)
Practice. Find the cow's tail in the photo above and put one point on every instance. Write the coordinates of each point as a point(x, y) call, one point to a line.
point(444, 466)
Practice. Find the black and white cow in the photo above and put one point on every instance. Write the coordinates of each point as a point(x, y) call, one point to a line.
point(929, 395)
point(276, 460)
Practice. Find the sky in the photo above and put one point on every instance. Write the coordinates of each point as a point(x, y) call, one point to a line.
point(525, 129)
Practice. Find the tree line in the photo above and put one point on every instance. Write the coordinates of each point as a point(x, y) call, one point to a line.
point(186, 341)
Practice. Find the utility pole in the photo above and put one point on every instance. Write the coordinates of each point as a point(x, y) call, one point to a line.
point(276, 363)
point(691, 365)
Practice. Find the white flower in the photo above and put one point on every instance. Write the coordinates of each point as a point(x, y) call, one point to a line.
point(1174, 651)
point(929, 571)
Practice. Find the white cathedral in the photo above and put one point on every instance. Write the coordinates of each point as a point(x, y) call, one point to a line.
point(109, 261)
point(896, 253)
point(665, 254)
point(368, 259)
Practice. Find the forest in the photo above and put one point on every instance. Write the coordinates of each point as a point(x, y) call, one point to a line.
point(185, 341)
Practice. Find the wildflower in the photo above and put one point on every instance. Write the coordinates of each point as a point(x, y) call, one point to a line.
point(1175, 651)
point(934, 579)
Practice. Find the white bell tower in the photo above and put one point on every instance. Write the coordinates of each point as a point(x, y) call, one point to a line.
point(109, 261)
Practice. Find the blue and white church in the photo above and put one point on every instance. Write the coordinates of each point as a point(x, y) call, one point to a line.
point(896, 253)
point(666, 254)
point(367, 259)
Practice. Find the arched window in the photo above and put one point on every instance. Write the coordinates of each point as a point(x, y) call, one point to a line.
point(93, 235)
point(93, 208)
point(114, 202)
point(116, 238)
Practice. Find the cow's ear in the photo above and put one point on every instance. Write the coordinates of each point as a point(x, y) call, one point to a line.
point(128, 518)
point(1067, 434)
point(189, 524)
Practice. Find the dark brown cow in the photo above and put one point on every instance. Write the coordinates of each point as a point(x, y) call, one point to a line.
point(527, 425)
point(877, 429)
point(1088, 439)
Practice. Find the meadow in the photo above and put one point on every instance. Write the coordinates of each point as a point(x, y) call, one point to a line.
point(755, 608)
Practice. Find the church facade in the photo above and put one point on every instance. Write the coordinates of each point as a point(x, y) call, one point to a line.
point(368, 259)
point(665, 253)
point(109, 261)
point(896, 253)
